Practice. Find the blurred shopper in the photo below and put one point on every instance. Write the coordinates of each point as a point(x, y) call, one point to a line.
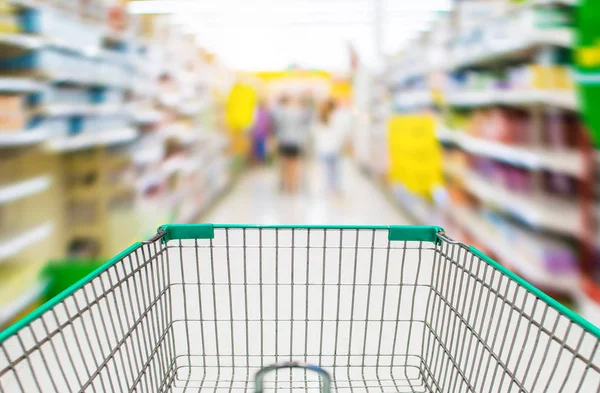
point(329, 133)
point(291, 136)
point(261, 130)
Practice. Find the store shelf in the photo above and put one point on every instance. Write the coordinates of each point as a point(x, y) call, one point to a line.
point(91, 139)
point(539, 3)
point(563, 99)
point(23, 137)
point(569, 162)
point(422, 211)
point(543, 212)
point(413, 99)
point(454, 169)
point(21, 41)
point(147, 155)
point(13, 245)
point(587, 307)
point(522, 45)
point(25, 300)
point(80, 109)
point(147, 116)
point(24, 189)
point(192, 216)
point(531, 269)
point(18, 85)
point(414, 70)
point(83, 80)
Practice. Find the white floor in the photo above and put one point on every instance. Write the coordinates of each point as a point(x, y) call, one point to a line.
point(256, 199)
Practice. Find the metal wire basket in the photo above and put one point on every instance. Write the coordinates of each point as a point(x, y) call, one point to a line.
point(203, 308)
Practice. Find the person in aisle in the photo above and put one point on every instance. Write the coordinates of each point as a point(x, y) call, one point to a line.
point(308, 108)
point(329, 134)
point(261, 130)
point(291, 137)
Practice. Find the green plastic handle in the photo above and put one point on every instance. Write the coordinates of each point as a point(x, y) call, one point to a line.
point(187, 231)
point(415, 233)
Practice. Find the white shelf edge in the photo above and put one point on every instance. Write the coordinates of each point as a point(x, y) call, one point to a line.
point(22, 40)
point(26, 85)
point(23, 137)
point(81, 109)
point(477, 227)
point(24, 188)
point(14, 245)
point(90, 139)
point(32, 41)
point(417, 209)
point(146, 116)
point(564, 99)
point(563, 37)
point(569, 162)
point(540, 213)
point(22, 302)
point(409, 99)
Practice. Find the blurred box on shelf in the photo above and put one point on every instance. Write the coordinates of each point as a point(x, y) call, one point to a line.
point(12, 122)
point(11, 104)
point(9, 23)
point(6, 8)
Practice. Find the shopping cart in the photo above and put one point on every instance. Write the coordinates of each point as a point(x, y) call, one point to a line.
point(215, 308)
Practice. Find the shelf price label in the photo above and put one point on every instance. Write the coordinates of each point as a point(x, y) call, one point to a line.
point(415, 153)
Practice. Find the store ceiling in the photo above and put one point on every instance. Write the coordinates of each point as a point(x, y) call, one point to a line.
point(273, 34)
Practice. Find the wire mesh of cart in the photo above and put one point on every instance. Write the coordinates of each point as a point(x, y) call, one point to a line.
point(226, 308)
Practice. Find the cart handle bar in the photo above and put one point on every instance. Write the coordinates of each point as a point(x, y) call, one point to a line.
point(170, 232)
point(259, 377)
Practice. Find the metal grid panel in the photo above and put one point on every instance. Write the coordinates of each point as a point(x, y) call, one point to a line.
point(109, 336)
point(342, 299)
point(380, 316)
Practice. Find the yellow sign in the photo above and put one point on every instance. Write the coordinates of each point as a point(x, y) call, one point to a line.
point(240, 107)
point(415, 153)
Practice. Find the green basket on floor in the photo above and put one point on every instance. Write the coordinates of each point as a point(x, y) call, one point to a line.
point(369, 309)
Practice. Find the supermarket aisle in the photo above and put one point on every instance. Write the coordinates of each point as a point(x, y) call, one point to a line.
point(257, 200)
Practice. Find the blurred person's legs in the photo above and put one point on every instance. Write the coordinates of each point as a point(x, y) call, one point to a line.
point(295, 174)
point(259, 150)
point(332, 172)
point(290, 167)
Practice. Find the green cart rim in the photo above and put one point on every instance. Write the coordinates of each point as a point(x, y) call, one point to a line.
point(206, 231)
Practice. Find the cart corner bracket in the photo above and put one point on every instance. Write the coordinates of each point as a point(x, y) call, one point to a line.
point(414, 233)
point(187, 231)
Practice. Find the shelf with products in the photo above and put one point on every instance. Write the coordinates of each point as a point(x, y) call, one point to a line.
point(567, 161)
point(24, 188)
point(178, 119)
point(539, 211)
point(422, 211)
point(523, 253)
point(22, 138)
point(509, 112)
point(519, 46)
point(26, 299)
point(63, 94)
point(57, 110)
point(565, 99)
point(87, 140)
point(89, 98)
point(20, 85)
point(11, 245)
point(497, 34)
